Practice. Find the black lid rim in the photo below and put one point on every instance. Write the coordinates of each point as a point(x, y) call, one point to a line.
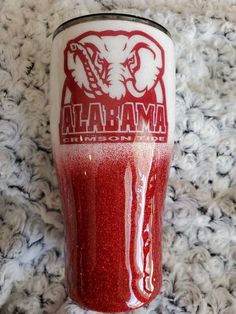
point(109, 16)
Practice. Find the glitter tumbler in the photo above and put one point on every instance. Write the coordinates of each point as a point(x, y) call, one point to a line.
point(112, 94)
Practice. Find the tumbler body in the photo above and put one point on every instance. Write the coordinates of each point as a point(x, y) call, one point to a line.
point(112, 94)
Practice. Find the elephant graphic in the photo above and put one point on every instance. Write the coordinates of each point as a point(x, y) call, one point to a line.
point(112, 68)
point(114, 63)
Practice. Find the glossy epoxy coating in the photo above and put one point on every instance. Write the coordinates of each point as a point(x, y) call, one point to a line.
point(112, 193)
point(113, 225)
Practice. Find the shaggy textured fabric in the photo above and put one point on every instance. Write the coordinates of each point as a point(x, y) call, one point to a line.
point(199, 258)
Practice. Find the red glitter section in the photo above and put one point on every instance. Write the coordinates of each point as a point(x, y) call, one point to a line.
point(113, 251)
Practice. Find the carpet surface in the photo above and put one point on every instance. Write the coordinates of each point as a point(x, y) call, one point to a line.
point(199, 259)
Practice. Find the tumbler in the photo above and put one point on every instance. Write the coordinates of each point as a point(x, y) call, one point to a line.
point(112, 95)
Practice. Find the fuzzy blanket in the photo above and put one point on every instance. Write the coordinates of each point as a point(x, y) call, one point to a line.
point(199, 260)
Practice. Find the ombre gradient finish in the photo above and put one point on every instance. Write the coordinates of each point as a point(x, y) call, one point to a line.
point(113, 201)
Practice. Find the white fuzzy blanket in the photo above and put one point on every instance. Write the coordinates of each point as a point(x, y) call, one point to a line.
point(200, 221)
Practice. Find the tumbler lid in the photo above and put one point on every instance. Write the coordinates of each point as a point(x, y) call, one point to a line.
point(109, 16)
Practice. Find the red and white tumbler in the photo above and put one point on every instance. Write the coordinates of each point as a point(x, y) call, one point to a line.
point(112, 122)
